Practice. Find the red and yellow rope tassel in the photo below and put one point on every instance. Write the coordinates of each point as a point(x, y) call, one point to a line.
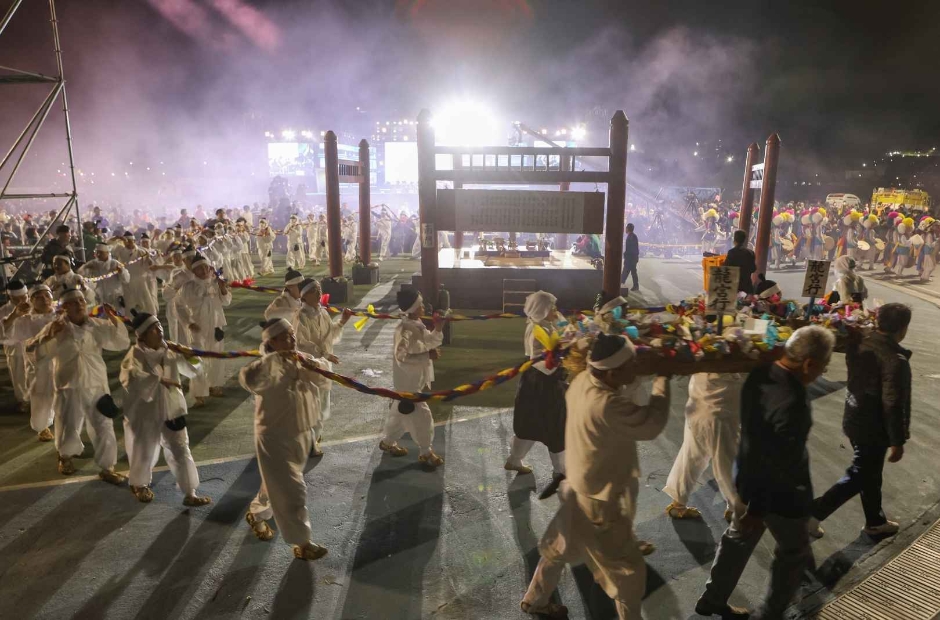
point(552, 357)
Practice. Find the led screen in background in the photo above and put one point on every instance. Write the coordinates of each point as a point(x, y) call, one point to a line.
point(401, 162)
point(292, 159)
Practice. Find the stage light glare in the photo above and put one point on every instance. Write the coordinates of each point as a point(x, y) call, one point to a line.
point(578, 133)
point(730, 158)
point(288, 134)
point(465, 123)
point(306, 134)
point(632, 147)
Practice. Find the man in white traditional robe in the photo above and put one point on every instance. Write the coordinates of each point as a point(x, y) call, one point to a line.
point(265, 243)
point(317, 334)
point(287, 304)
point(154, 412)
point(594, 523)
point(201, 305)
point(39, 384)
point(63, 278)
point(414, 351)
point(73, 343)
point(182, 259)
point(287, 401)
point(110, 289)
point(712, 432)
point(17, 307)
point(296, 258)
point(383, 224)
point(244, 256)
point(313, 237)
point(137, 261)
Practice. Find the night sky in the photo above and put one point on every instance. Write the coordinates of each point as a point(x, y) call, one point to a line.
point(842, 82)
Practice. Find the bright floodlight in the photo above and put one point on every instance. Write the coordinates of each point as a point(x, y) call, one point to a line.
point(578, 133)
point(465, 123)
point(288, 134)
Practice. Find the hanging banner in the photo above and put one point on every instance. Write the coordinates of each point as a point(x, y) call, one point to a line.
point(722, 292)
point(817, 278)
point(521, 211)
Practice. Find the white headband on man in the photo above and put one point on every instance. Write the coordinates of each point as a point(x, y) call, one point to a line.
point(17, 292)
point(200, 261)
point(292, 281)
point(275, 329)
point(147, 324)
point(308, 288)
point(40, 288)
point(618, 359)
point(417, 305)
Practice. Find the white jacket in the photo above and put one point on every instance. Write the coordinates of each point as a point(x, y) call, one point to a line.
point(412, 368)
point(76, 353)
point(141, 372)
point(283, 307)
point(287, 395)
point(601, 432)
point(200, 302)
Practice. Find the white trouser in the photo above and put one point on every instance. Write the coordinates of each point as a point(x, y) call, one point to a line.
point(419, 423)
point(72, 407)
point(283, 492)
point(247, 267)
point(520, 448)
point(386, 238)
point(706, 438)
point(599, 534)
point(17, 365)
point(41, 396)
point(213, 370)
point(296, 258)
point(137, 296)
point(143, 439)
point(264, 253)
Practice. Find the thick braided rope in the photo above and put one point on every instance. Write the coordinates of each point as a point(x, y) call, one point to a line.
point(467, 389)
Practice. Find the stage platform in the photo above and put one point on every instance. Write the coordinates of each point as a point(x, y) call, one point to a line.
point(479, 284)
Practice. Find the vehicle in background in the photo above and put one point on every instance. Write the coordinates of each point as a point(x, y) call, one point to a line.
point(888, 199)
point(842, 202)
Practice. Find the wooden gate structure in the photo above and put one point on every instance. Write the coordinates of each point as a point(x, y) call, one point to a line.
point(347, 171)
point(762, 176)
point(520, 165)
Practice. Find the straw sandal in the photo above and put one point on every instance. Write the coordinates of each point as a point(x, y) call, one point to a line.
point(393, 449)
point(261, 529)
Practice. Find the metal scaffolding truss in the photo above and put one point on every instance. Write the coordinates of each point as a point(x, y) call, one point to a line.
point(16, 154)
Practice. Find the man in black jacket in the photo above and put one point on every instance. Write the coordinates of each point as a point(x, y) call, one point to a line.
point(876, 420)
point(631, 256)
point(773, 478)
point(743, 258)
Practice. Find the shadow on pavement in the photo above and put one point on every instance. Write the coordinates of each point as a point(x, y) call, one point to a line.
point(152, 563)
point(294, 597)
point(206, 543)
point(59, 542)
point(839, 563)
point(402, 529)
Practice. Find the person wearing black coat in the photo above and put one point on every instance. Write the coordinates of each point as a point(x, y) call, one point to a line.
point(743, 258)
point(876, 420)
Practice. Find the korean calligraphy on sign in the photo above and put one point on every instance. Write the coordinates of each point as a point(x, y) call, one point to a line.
point(817, 278)
point(722, 289)
point(519, 211)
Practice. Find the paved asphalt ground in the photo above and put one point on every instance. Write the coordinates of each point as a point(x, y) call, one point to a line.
point(404, 542)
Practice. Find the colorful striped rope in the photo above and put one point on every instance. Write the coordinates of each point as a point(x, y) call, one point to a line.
point(467, 389)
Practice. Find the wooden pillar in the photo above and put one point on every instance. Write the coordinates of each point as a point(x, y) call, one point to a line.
point(365, 205)
point(333, 216)
point(616, 204)
point(458, 234)
point(564, 187)
point(427, 202)
point(747, 194)
point(767, 202)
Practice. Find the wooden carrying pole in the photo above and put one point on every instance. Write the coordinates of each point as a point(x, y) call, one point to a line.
point(365, 205)
point(767, 202)
point(747, 194)
point(427, 196)
point(333, 217)
point(616, 204)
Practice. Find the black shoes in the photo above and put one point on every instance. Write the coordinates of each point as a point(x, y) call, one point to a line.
point(725, 612)
point(552, 487)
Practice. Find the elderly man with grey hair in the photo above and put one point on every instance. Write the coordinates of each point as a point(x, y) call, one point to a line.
point(773, 479)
